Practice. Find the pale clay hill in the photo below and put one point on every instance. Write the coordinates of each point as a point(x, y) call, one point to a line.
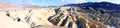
point(56, 17)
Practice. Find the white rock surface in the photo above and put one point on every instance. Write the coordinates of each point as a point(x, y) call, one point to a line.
point(37, 16)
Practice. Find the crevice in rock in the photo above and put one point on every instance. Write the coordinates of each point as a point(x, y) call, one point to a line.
point(32, 25)
point(70, 24)
point(8, 15)
point(64, 21)
point(18, 19)
point(30, 11)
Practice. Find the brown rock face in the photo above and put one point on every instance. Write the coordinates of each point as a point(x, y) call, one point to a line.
point(57, 17)
point(74, 19)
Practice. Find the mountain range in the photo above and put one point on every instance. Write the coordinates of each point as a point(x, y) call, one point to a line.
point(98, 5)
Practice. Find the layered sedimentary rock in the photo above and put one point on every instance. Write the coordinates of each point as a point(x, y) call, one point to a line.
point(57, 17)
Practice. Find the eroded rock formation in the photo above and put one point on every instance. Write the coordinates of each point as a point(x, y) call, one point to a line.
point(57, 17)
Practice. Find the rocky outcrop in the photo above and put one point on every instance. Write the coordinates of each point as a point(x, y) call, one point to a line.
point(29, 17)
point(57, 17)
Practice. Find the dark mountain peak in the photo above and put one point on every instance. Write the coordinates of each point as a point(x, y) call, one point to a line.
point(100, 3)
point(97, 5)
point(105, 2)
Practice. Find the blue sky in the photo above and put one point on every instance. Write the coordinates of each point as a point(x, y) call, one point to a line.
point(53, 2)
